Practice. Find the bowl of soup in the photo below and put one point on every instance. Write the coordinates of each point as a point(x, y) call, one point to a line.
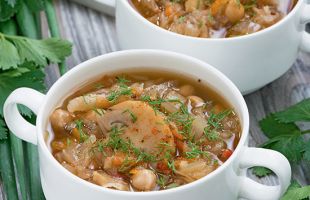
point(144, 124)
point(253, 42)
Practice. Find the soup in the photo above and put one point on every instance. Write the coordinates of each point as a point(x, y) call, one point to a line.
point(143, 131)
point(214, 18)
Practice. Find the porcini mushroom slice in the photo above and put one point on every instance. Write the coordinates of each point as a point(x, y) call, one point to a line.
point(108, 181)
point(146, 129)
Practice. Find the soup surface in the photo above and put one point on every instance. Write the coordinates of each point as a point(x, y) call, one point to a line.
point(143, 131)
point(214, 18)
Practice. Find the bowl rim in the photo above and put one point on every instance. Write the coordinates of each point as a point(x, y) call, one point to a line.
point(41, 125)
point(133, 10)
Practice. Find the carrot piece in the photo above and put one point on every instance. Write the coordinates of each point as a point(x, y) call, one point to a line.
point(176, 134)
point(117, 161)
point(226, 154)
point(168, 11)
point(162, 166)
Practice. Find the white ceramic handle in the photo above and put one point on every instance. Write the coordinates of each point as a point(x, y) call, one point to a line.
point(272, 160)
point(305, 18)
point(16, 123)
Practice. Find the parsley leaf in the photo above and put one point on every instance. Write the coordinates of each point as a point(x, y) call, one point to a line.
point(32, 77)
point(9, 57)
point(8, 8)
point(273, 128)
point(307, 151)
point(298, 112)
point(17, 50)
point(296, 192)
point(291, 146)
point(282, 136)
point(261, 171)
point(3, 130)
point(35, 5)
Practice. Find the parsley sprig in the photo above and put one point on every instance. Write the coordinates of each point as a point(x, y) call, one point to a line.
point(288, 138)
point(283, 132)
point(16, 50)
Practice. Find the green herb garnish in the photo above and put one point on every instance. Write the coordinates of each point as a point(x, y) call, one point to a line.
point(196, 151)
point(133, 116)
point(284, 134)
point(16, 50)
point(261, 171)
point(79, 125)
point(296, 192)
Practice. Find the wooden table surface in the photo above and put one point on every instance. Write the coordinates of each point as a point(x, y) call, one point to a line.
point(93, 34)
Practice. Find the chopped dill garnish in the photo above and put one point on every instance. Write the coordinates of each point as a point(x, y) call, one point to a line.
point(133, 116)
point(196, 151)
point(99, 111)
point(100, 147)
point(68, 142)
point(215, 120)
point(121, 80)
point(181, 19)
point(79, 125)
point(122, 90)
point(162, 180)
point(212, 135)
point(115, 94)
point(98, 86)
point(171, 165)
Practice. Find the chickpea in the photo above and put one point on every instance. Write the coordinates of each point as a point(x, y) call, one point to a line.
point(144, 180)
point(234, 11)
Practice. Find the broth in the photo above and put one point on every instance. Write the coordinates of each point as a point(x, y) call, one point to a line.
point(214, 18)
point(144, 131)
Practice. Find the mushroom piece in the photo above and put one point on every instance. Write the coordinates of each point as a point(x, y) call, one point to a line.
point(196, 101)
point(266, 16)
point(89, 102)
point(172, 107)
point(146, 129)
point(193, 169)
point(107, 181)
point(59, 119)
point(157, 91)
point(198, 126)
point(143, 179)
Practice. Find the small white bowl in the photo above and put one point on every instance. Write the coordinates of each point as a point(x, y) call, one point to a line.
point(229, 181)
point(250, 61)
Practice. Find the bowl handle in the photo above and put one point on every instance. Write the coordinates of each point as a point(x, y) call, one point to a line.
point(273, 160)
point(305, 18)
point(14, 120)
point(105, 6)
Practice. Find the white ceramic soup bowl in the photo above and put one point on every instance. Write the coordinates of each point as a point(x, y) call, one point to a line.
point(227, 182)
point(250, 61)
